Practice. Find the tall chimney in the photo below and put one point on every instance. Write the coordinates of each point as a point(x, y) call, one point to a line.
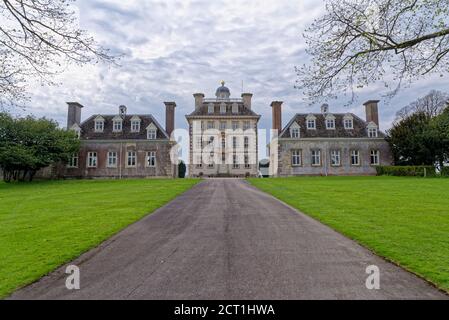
point(170, 117)
point(199, 98)
point(73, 114)
point(246, 97)
point(372, 111)
point(277, 115)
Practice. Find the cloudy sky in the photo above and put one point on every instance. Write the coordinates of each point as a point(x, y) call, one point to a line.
point(173, 49)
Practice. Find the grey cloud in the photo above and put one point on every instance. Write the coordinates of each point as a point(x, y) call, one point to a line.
point(175, 48)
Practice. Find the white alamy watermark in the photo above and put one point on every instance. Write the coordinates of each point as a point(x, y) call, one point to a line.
point(73, 280)
point(373, 280)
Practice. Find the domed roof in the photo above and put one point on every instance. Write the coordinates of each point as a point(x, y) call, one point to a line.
point(223, 91)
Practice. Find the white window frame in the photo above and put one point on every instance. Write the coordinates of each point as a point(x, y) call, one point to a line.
point(375, 155)
point(246, 125)
point(295, 133)
point(223, 108)
point(151, 159)
point(73, 161)
point(235, 162)
point(335, 158)
point(117, 126)
point(151, 134)
point(130, 155)
point(210, 125)
point(235, 108)
point(348, 123)
point(112, 155)
point(373, 132)
point(355, 154)
point(199, 143)
point(99, 126)
point(296, 158)
point(223, 125)
point(135, 126)
point(311, 121)
point(246, 161)
point(246, 142)
point(328, 122)
point(235, 142)
point(235, 125)
point(315, 155)
point(210, 108)
point(92, 159)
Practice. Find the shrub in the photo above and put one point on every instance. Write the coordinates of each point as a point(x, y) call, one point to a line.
point(406, 171)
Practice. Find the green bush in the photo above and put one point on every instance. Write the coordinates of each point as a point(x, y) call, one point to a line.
point(406, 171)
point(445, 172)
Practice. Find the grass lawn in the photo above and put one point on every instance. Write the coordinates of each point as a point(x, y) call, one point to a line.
point(45, 224)
point(403, 219)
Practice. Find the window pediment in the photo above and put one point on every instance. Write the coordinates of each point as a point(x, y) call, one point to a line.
point(151, 126)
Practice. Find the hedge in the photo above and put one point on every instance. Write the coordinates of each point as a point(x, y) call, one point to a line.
point(409, 171)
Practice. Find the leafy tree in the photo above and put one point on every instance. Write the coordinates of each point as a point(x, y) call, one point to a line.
point(409, 140)
point(29, 144)
point(182, 169)
point(361, 42)
point(439, 134)
point(37, 40)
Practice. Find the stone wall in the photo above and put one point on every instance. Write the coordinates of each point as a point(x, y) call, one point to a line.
point(364, 145)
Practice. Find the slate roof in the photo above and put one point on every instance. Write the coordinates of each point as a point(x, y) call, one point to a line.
point(88, 128)
point(242, 110)
point(359, 127)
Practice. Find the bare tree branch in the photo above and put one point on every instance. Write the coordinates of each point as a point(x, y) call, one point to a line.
point(360, 42)
point(39, 39)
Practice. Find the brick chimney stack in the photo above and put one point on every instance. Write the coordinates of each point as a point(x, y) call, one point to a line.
point(277, 115)
point(372, 111)
point(73, 114)
point(246, 97)
point(170, 117)
point(199, 98)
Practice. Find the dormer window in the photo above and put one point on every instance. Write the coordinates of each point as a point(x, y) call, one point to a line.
point(348, 122)
point(223, 108)
point(235, 108)
point(210, 108)
point(135, 124)
point(330, 122)
point(151, 132)
point(311, 122)
point(372, 132)
point(99, 126)
point(295, 130)
point(117, 124)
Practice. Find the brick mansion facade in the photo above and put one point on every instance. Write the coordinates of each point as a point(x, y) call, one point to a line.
point(223, 141)
point(121, 145)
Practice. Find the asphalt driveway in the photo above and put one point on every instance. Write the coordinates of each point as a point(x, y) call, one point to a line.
point(224, 239)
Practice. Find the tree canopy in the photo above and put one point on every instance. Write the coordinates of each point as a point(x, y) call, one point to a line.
point(29, 144)
point(421, 135)
point(357, 43)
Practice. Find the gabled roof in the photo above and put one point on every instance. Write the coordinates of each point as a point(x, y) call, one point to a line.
point(358, 131)
point(88, 128)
